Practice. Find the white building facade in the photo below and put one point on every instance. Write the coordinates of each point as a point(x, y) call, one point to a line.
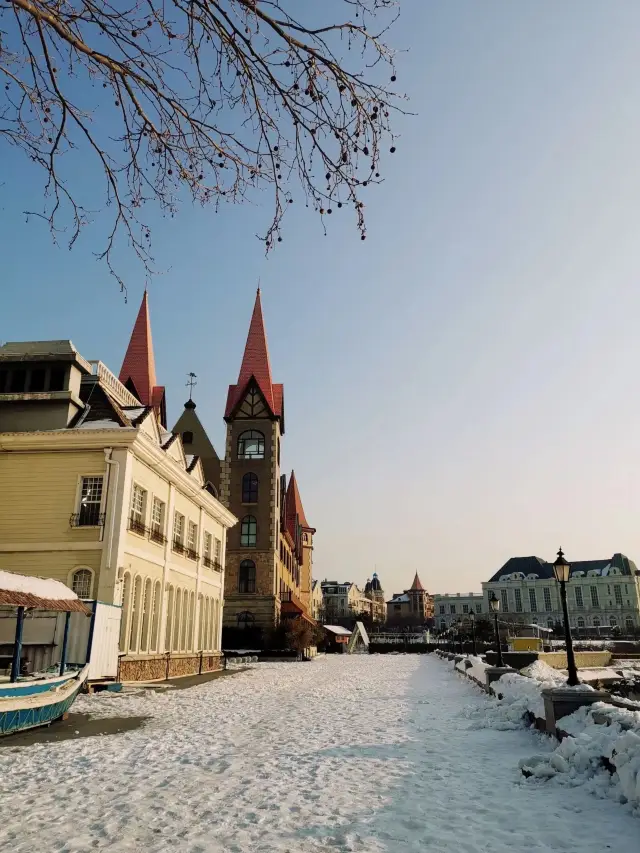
point(450, 607)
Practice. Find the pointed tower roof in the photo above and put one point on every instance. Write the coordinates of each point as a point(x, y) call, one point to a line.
point(138, 371)
point(416, 586)
point(196, 442)
point(293, 508)
point(257, 366)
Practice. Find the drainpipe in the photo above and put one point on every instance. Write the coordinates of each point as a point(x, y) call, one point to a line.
point(114, 491)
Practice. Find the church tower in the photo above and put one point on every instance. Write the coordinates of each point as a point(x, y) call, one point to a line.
point(251, 487)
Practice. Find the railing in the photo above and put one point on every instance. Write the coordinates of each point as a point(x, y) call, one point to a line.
point(87, 517)
point(212, 564)
point(123, 396)
point(191, 553)
point(217, 565)
point(137, 526)
point(156, 535)
point(178, 547)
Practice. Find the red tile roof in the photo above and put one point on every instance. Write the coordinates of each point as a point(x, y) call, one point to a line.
point(256, 365)
point(139, 362)
point(417, 585)
point(293, 507)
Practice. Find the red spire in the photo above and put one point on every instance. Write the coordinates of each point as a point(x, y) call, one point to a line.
point(139, 364)
point(293, 506)
point(256, 364)
point(417, 585)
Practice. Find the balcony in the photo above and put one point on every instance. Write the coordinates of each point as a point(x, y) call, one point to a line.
point(178, 547)
point(137, 526)
point(191, 553)
point(212, 564)
point(157, 536)
point(88, 516)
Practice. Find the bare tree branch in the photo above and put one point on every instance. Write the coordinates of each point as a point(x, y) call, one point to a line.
point(212, 99)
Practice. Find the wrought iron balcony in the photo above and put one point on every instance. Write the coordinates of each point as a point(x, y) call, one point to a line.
point(136, 526)
point(88, 516)
point(157, 536)
point(178, 547)
point(191, 553)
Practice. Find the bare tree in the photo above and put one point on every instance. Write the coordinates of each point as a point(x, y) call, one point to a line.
point(203, 98)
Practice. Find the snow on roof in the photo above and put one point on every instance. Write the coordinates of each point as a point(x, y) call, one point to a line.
point(105, 423)
point(398, 598)
point(338, 629)
point(44, 593)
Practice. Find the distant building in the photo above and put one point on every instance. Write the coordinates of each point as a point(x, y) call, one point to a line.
point(374, 594)
point(316, 600)
point(602, 594)
point(413, 606)
point(346, 601)
point(450, 607)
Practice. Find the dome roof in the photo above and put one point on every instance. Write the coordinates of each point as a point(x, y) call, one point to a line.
point(375, 582)
point(367, 586)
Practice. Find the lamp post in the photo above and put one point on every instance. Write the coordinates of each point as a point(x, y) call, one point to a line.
point(494, 604)
point(459, 627)
point(562, 570)
point(472, 617)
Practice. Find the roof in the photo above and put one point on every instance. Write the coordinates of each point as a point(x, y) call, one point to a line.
point(417, 584)
point(256, 366)
point(544, 570)
point(293, 508)
point(375, 582)
point(398, 598)
point(43, 351)
point(41, 593)
point(139, 364)
point(337, 629)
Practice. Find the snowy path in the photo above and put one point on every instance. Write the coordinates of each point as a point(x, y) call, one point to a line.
point(360, 754)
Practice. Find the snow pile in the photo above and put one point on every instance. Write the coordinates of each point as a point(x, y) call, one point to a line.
point(602, 755)
point(40, 587)
point(473, 667)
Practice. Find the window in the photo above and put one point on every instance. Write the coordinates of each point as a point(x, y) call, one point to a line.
point(613, 622)
point(442, 609)
point(138, 509)
point(81, 582)
point(207, 546)
point(90, 502)
point(596, 621)
point(245, 620)
point(628, 622)
point(249, 489)
point(192, 540)
point(533, 602)
point(443, 626)
point(157, 520)
point(249, 532)
point(550, 623)
point(247, 576)
point(187, 437)
point(594, 596)
point(617, 591)
point(452, 608)
point(580, 621)
point(478, 608)
point(251, 445)
point(579, 599)
point(178, 529)
point(218, 551)
point(465, 608)
point(518, 597)
point(505, 600)
point(547, 598)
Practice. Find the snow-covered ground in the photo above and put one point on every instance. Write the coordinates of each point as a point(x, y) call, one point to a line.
point(363, 754)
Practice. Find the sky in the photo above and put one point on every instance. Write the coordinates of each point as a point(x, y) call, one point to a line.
point(463, 386)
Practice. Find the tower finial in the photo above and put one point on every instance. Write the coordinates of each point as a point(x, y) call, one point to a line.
point(191, 383)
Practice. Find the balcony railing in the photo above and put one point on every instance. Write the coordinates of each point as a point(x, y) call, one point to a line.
point(157, 536)
point(191, 553)
point(178, 547)
point(87, 517)
point(212, 564)
point(217, 565)
point(137, 526)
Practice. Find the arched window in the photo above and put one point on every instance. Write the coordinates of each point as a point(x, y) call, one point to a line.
point(177, 621)
point(136, 608)
point(443, 626)
point(185, 621)
point(251, 445)
point(168, 631)
point(187, 437)
point(247, 577)
point(628, 622)
point(126, 610)
point(580, 621)
point(596, 621)
point(249, 531)
point(613, 622)
point(146, 616)
point(192, 613)
point(550, 623)
point(246, 619)
point(81, 582)
point(155, 617)
point(249, 489)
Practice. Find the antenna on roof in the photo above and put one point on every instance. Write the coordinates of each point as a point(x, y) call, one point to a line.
point(191, 383)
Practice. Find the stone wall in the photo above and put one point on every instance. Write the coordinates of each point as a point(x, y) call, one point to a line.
point(170, 665)
point(584, 660)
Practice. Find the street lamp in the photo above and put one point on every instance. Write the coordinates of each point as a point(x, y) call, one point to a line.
point(494, 604)
point(562, 570)
point(459, 627)
point(472, 617)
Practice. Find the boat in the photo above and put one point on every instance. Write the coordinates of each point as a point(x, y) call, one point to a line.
point(28, 701)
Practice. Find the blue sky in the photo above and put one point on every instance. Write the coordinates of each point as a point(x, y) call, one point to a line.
point(463, 386)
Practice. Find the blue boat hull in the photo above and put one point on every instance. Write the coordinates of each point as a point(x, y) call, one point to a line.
point(28, 715)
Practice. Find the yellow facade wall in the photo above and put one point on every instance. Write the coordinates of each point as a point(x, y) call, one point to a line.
point(51, 564)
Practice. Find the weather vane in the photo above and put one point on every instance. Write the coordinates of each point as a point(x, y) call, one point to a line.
point(191, 383)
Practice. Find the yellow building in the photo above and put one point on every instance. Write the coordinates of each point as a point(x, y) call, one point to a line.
point(96, 493)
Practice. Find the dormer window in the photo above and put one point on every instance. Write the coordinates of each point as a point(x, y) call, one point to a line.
point(187, 437)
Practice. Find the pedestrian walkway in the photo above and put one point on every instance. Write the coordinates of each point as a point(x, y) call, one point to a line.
point(357, 754)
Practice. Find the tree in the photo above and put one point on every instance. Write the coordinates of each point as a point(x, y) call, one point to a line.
point(208, 99)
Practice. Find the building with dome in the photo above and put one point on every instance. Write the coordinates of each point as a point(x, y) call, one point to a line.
point(374, 601)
